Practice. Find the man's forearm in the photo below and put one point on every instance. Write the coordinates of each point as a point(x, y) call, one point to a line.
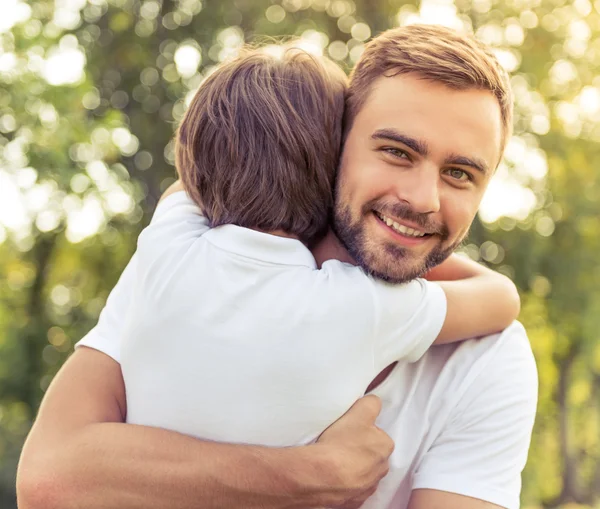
point(110, 465)
point(80, 455)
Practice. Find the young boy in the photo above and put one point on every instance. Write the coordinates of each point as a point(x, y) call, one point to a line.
point(234, 332)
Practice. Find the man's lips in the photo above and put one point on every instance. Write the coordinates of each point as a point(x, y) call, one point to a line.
point(398, 236)
point(403, 227)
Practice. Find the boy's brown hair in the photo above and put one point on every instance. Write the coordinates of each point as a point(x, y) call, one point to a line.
point(259, 144)
point(435, 53)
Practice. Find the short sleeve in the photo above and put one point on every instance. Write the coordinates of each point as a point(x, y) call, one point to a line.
point(106, 335)
point(409, 317)
point(176, 215)
point(482, 449)
point(176, 226)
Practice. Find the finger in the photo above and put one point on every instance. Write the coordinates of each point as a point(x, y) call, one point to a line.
point(366, 408)
point(364, 412)
point(387, 443)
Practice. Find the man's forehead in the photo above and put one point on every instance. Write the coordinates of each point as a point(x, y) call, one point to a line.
point(410, 89)
point(466, 123)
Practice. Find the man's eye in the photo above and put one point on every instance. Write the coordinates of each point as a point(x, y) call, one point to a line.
point(458, 174)
point(396, 152)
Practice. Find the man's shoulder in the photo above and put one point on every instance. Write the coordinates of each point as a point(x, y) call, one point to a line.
point(504, 354)
point(451, 375)
point(496, 367)
point(478, 442)
point(461, 418)
point(499, 354)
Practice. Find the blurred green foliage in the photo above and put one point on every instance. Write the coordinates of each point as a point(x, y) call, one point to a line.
point(90, 91)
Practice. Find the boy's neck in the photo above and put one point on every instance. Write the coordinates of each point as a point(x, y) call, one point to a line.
point(279, 233)
point(328, 248)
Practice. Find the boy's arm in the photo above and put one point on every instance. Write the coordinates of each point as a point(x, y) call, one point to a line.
point(479, 300)
point(173, 188)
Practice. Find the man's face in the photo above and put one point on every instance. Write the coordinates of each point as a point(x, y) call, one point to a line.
point(413, 171)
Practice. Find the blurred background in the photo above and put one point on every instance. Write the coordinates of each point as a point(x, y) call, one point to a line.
point(90, 92)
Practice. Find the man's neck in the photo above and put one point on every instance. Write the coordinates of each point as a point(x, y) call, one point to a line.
point(330, 248)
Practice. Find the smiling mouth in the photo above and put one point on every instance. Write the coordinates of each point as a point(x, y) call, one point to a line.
point(403, 230)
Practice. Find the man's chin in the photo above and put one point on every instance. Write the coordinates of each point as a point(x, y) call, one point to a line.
point(394, 276)
point(390, 268)
point(380, 259)
point(397, 266)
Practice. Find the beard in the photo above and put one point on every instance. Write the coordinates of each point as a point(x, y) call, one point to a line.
point(388, 261)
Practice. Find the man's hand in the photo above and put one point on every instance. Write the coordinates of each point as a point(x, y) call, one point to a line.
point(359, 451)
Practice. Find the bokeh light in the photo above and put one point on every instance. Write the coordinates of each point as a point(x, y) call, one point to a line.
point(92, 90)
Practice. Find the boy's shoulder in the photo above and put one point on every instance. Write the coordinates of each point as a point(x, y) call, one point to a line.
point(176, 205)
point(176, 217)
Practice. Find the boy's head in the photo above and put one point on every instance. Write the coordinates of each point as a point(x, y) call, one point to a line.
point(259, 144)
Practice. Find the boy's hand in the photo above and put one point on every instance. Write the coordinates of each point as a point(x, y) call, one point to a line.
point(173, 188)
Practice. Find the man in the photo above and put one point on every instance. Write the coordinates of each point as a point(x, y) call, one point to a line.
point(428, 116)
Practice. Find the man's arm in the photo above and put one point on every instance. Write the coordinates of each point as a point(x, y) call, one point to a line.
point(434, 499)
point(79, 454)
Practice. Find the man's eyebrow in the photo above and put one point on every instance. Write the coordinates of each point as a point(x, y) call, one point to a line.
point(419, 146)
point(476, 163)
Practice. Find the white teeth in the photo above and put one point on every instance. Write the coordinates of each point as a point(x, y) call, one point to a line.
point(404, 230)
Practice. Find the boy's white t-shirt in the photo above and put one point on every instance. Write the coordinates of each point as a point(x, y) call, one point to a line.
point(461, 416)
point(218, 315)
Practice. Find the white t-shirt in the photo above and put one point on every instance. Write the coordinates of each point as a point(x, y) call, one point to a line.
point(218, 314)
point(461, 416)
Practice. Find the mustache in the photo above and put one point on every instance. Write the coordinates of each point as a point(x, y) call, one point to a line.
point(402, 210)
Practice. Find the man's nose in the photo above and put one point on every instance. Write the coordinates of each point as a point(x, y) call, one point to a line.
point(420, 189)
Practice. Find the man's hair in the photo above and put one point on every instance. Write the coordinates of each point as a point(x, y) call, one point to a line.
point(259, 144)
point(435, 53)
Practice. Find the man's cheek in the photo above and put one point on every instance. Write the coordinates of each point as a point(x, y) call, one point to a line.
point(459, 218)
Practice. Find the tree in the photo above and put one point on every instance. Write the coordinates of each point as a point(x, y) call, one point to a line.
point(92, 92)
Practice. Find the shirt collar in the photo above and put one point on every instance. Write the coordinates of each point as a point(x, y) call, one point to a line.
point(260, 246)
